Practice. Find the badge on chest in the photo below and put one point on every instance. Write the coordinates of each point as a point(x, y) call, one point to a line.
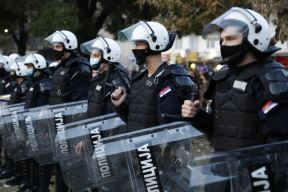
point(240, 85)
point(148, 83)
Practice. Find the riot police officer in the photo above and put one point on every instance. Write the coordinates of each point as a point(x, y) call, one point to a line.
point(37, 178)
point(249, 93)
point(38, 93)
point(107, 74)
point(6, 83)
point(158, 91)
point(70, 79)
point(22, 75)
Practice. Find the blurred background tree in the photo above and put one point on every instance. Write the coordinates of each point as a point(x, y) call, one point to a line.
point(38, 18)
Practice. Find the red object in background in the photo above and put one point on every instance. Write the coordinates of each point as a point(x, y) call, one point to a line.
point(283, 60)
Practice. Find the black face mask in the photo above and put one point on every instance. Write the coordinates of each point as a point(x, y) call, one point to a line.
point(140, 55)
point(233, 55)
point(58, 54)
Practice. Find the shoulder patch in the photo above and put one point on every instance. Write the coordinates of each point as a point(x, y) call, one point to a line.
point(164, 91)
point(268, 106)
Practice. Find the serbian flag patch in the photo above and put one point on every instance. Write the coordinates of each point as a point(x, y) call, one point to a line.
point(164, 91)
point(269, 105)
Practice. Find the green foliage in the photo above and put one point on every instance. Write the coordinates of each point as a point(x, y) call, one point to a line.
point(86, 17)
point(54, 15)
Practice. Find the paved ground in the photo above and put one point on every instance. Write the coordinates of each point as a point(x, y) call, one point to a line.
point(15, 188)
point(10, 189)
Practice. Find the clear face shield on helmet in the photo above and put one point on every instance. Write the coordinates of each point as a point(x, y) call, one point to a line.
point(22, 68)
point(126, 34)
point(87, 47)
point(56, 38)
point(232, 35)
point(227, 24)
point(58, 41)
point(95, 53)
point(143, 40)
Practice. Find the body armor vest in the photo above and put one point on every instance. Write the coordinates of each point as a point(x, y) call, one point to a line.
point(236, 120)
point(40, 87)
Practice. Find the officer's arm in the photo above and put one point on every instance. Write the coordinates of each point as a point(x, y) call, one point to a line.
point(79, 82)
point(121, 79)
point(168, 103)
point(43, 95)
point(275, 124)
point(273, 116)
point(273, 103)
point(123, 111)
point(24, 89)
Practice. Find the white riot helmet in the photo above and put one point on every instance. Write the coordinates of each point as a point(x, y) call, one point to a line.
point(253, 26)
point(37, 60)
point(111, 51)
point(66, 37)
point(6, 61)
point(14, 56)
point(20, 68)
point(151, 32)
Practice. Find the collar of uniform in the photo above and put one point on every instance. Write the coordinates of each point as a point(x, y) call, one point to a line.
point(222, 73)
point(143, 72)
point(140, 74)
point(160, 70)
point(249, 70)
point(99, 77)
point(67, 61)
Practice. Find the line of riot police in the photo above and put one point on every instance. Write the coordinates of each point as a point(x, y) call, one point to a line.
point(63, 121)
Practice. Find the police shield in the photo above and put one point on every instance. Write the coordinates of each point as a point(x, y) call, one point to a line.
point(207, 173)
point(6, 110)
point(80, 136)
point(260, 168)
point(4, 100)
point(45, 124)
point(147, 160)
point(9, 108)
point(11, 133)
point(18, 130)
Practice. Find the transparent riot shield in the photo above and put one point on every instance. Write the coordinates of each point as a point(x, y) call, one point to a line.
point(16, 128)
point(47, 124)
point(10, 108)
point(77, 162)
point(147, 160)
point(10, 130)
point(4, 100)
point(260, 168)
point(207, 173)
point(6, 110)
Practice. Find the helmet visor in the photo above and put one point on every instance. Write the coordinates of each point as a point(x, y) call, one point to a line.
point(126, 34)
point(227, 22)
point(89, 46)
point(56, 37)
